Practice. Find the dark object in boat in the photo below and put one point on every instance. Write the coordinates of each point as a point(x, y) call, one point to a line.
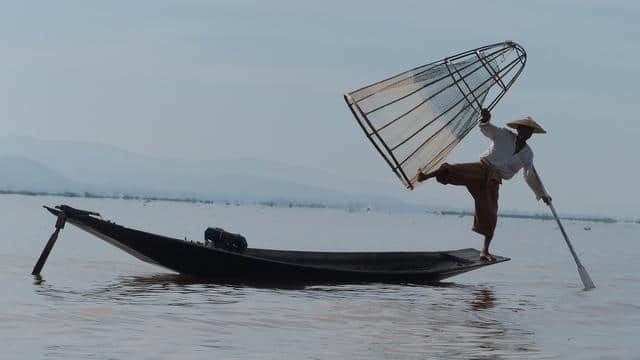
point(225, 240)
point(276, 266)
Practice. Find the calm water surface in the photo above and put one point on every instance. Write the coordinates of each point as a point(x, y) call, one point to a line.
point(96, 301)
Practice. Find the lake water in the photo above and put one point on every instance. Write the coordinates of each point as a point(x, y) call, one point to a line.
point(95, 301)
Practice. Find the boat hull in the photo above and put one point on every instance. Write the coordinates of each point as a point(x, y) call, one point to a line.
point(198, 259)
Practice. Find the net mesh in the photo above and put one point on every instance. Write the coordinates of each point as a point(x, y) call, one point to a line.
point(416, 118)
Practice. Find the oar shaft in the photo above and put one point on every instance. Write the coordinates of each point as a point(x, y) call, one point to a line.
point(62, 218)
point(584, 275)
point(564, 233)
point(45, 253)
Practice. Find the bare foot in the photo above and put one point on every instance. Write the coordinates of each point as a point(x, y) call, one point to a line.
point(486, 257)
point(420, 176)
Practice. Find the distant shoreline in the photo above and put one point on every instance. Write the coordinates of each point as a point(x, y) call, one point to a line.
point(608, 220)
point(301, 204)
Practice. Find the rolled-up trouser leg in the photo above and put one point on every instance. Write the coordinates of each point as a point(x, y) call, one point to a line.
point(486, 206)
point(483, 185)
point(462, 174)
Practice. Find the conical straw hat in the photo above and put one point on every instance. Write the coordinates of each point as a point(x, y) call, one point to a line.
point(527, 121)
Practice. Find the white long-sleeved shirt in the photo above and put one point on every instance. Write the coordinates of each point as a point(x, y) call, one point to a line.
point(501, 156)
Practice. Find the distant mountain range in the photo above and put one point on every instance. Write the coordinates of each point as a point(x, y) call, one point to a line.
point(20, 173)
point(31, 164)
point(42, 166)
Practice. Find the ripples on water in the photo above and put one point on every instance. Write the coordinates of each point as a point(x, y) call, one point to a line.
point(294, 320)
point(97, 302)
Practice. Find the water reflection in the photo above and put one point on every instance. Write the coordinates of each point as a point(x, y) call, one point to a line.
point(446, 320)
point(134, 289)
point(483, 299)
point(166, 289)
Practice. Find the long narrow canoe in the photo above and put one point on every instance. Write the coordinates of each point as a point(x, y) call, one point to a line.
point(199, 259)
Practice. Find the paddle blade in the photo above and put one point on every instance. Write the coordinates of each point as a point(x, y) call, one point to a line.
point(586, 279)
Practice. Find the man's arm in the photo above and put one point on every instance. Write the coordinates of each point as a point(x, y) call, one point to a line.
point(488, 129)
point(532, 179)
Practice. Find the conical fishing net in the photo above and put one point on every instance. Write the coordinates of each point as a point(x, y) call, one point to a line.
point(416, 118)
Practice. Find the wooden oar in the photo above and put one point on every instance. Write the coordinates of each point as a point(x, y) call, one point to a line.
point(584, 275)
point(62, 219)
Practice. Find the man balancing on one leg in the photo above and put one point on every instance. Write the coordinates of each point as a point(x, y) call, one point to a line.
point(505, 158)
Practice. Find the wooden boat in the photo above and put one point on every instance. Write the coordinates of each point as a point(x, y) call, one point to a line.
point(199, 259)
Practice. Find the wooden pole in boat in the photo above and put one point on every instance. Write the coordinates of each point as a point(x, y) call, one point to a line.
point(584, 275)
point(62, 219)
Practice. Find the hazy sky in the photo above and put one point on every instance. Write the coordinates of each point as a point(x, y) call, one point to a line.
point(264, 79)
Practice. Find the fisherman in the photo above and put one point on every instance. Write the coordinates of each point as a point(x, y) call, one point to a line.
point(508, 154)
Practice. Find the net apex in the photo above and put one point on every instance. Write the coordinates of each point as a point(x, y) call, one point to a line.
point(348, 98)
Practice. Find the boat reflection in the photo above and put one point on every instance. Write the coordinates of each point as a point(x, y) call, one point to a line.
point(442, 320)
